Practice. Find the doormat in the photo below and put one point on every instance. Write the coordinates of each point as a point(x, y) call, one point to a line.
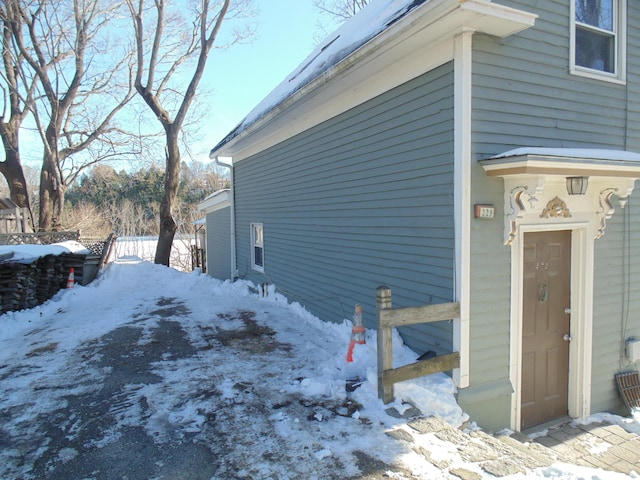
point(629, 389)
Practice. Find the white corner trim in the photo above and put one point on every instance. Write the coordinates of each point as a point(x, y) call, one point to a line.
point(462, 198)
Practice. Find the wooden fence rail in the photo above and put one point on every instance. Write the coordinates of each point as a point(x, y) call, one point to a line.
point(15, 219)
point(387, 319)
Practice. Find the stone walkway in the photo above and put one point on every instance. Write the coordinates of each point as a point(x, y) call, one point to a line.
point(603, 446)
point(598, 445)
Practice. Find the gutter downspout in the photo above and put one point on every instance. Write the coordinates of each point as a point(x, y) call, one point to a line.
point(232, 212)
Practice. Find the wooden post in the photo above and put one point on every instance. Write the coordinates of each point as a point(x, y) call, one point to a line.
point(18, 225)
point(25, 220)
point(385, 347)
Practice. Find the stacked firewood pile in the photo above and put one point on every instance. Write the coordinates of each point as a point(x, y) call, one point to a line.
point(28, 283)
point(25, 285)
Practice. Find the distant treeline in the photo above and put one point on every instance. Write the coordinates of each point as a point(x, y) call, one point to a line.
point(127, 203)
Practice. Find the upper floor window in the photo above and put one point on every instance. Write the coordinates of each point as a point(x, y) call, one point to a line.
point(257, 247)
point(599, 38)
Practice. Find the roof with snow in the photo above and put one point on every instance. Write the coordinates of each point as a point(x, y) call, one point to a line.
point(590, 161)
point(215, 201)
point(585, 154)
point(372, 20)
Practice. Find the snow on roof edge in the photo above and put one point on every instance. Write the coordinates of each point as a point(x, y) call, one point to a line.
point(368, 23)
point(215, 194)
point(216, 200)
point(571, 153)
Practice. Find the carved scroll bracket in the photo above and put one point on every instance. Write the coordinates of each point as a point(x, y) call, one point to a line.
point(520, 197)
point(606, 210)
point(622, 188)
point(524, 193)
point(539, 175)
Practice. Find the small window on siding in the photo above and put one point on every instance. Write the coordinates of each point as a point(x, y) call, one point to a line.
point(257, 247)
point(598, 38)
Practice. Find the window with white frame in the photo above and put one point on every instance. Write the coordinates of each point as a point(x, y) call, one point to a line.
point(257, 247)
point(599, 38)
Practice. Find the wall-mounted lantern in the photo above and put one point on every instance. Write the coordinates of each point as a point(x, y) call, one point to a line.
point(577, 185)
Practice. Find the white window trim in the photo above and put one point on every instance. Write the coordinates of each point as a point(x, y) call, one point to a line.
point(620, 31)
point(259, 268)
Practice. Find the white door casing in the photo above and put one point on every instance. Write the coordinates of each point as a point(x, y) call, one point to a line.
point(581, 317)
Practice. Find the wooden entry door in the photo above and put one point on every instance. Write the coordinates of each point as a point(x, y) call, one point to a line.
point(545, 327)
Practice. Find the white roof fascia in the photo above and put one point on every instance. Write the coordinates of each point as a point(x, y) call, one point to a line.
point(215, 201)
point(415, 44)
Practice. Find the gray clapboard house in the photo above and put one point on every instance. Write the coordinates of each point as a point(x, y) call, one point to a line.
point(473, 151)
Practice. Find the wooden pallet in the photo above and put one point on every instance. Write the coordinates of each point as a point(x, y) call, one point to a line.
point(629, 389)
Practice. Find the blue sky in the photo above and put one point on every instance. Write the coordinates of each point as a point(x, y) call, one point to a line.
point(243, 75)
point(238, 78)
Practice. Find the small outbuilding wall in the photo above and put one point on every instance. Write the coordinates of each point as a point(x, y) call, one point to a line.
point(219, 244)
point(218, 234)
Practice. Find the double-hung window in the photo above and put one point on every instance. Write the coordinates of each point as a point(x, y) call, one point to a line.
point(257, 247)
point(598, 40)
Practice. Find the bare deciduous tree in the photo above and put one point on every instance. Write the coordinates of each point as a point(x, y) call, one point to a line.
point(336, 11)
point(65, 45)
point(131, 220)
point(172, 43)
point(342, 9)
point(88, 219)
point(16, 92)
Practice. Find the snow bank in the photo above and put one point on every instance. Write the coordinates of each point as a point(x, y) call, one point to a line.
point(30, 253)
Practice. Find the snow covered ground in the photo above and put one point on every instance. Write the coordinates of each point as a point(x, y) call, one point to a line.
point(28, 253)
point(145, 248)
point(258, 381)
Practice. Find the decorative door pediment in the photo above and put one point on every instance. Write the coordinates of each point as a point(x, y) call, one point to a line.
point(538, 182)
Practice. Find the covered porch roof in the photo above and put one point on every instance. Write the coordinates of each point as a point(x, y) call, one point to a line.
point(540, 187)
point(564, 161)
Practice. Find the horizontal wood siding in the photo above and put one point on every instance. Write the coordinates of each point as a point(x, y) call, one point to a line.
point(616, 315)
point(490, 296)
point(362, 200)
point(524, 95)
point(219, 244)
point(633, 76)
